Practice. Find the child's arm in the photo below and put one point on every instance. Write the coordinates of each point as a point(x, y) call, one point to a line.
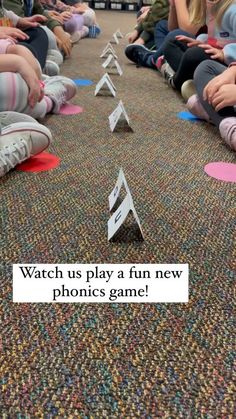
point(183, 17)
point(172, 18)
point(16, 64)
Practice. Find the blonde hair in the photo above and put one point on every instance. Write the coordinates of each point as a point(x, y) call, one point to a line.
point(197, 10)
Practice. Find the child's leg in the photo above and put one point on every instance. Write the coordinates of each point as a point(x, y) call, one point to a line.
point(160, 42)
point(173, 51)
point(25, 53)
point(188, 64)
point(37, 44)
point(14, 94)
point(74, 24)
point(225, 119)
point(89, 17)
point(204, 73)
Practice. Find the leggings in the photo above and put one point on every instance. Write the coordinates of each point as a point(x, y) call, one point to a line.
point(183, 60)
point(14, 96)
point(204, 73)
point(162, 36)
point(37, 44)
point(74, 24)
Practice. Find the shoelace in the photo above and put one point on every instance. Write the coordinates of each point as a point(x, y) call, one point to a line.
point(14, 154)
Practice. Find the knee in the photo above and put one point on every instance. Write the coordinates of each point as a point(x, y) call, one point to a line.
point(89, 17)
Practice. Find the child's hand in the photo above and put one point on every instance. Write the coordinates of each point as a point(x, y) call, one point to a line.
point(132, 36)
point(31, 22)
point(142, 16)
point(12, 33)
point(30, 77)
point(66, 15)
point(64, 43)
point(215, 53)
point(227, 77)
point(225, 96)
point(191, 42)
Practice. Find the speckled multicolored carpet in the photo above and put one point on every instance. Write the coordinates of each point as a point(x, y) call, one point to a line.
point(127, 360)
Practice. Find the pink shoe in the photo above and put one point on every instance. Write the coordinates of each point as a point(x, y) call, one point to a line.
point(195, 107)
point(160, 62)
point(227, 129)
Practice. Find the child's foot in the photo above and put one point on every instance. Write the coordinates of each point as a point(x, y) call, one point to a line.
point(227, 129)
point(55, 56)
point(76, 36)
point(160, 61)
point(20, 141)
point(195, 107)
point(51, 68)
point(59, 89)
point(168, 73)
point(188, 89)
point(94, 31)
point(11, 117)
point(139, 54)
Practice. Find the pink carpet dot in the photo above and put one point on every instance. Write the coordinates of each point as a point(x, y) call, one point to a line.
point(39, 163)
point(70, 109)
point(221, 171)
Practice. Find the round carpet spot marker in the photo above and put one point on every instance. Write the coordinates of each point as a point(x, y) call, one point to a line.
point(83, 82)
point(221, 171)
point(188, 116)
point(70, 109)
point(39, 163)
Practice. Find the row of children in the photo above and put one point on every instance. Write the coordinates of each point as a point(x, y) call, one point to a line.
point(33, 43)
point(195, 50)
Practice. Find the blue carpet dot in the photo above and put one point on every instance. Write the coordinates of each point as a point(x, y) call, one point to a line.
point(188, 116)
point(83, 82)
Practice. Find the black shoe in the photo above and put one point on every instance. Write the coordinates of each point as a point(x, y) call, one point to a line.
point(138, 54)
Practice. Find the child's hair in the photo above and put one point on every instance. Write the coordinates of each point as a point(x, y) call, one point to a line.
point(197, 10)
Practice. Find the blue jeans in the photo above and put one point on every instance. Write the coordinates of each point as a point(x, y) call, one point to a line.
point(162, 35)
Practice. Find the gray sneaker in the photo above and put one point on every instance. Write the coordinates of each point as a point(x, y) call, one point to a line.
point(20, 141)
point(10, 117)
point(60, 90)
point(51, 68)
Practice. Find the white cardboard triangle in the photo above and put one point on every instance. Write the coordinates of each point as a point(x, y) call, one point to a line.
point(108, 45)
point(110, 59)
point(112, 65)
point(118, 218)
point(108, 52)
point(105, 86)
point(118, 119)
point(119, 34)
point(121, 180)
point(114, 39)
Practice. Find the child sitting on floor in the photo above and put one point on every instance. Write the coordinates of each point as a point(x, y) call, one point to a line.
point(144, 30)
point(184, 54)
point(179, 23)
point(72, 22)
point(216, 98)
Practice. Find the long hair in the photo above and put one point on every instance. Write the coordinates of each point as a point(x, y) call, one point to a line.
point(197, 10)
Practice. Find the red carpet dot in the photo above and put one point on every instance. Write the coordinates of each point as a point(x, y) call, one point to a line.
point(69, 109)
point(221, 171)
point(40, 163)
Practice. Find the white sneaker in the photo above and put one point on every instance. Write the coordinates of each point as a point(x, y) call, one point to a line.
point(60, 90)
point(75, 37)
point(188, 89)
point(51, 68)
point(10, 117)
point(20, 141)
point(55, 55)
